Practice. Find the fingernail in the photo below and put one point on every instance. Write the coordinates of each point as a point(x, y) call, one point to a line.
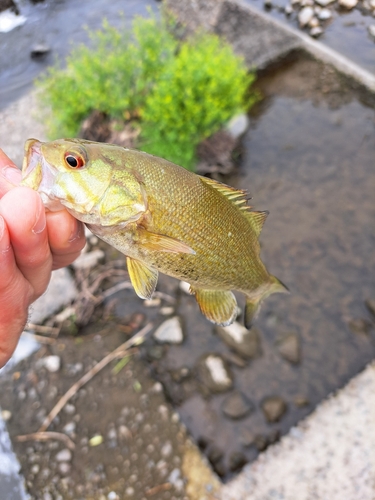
point(40, 220)
point(12, 175)
point(77, 231)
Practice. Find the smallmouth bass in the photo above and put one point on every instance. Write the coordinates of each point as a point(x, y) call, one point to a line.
point(162, 217)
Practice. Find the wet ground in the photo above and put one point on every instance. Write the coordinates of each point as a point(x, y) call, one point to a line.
point(347, 31)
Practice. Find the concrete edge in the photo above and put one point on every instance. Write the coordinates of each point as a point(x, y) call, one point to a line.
point(317, 49)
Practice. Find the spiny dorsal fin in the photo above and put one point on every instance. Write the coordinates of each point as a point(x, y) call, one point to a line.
point(257, 219)
point(238, 198)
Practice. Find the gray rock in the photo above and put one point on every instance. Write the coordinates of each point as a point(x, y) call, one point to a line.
point(273, 408)
point(244, 342)
point(170, 332)
point(238, 125)
point(214, 373)
point(305, 15)
point(289, 347)
point(236, 406)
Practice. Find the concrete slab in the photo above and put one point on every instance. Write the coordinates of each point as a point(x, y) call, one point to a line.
point(329, 455)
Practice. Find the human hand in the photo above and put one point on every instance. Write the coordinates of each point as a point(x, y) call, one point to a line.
point(32, 244)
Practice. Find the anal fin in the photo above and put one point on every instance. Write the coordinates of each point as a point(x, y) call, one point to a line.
point(143, 278)
point(219, 306)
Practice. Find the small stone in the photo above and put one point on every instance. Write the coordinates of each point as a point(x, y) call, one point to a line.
point(236, 406)
point(316, 31)
point(247, 438)
point(324, 14)
point(289, 347)
point(261, 442)
point(69, 409)
point(170, 332)
point(166, 449)
point(273, 408)
point(166, 310)
point(112, 495)
point(324, 3)
point(124, 432)
point(129, 492)
point(301, 401)
point(39, 50)
point(370, 304)
point(35, 469)
point(215, 454)
point(238, 125)
point(51, 363)
point(6, 415)
point(214, 373)
point(288, 10)
point(185, 287)
point(69, 428)
point(348, 4)
point(313, 23)
point(267, 4)
point(371, 30)
point(96, 440)
point(64, 468)
point(89, 259)
point(152, 302)
point(305, 15)
point(360, 326)
point(245, 342)
point(236, 461)
point(64, 455)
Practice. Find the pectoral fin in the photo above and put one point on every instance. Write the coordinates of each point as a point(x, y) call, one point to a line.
point(161, 243)
point(218, 306)
point(143, 278)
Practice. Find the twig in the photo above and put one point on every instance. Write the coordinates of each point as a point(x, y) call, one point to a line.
point(165, 296)
point(40, 338)
point(45, 436)
point(50, 330)
point(156, 489)
point(114, 289)
point(135, 340)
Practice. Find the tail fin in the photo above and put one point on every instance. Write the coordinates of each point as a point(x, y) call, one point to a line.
point(253, 304)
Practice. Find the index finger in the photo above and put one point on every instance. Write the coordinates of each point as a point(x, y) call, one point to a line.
point(10, 175)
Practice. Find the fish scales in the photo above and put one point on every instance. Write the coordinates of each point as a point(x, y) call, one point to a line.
point(162, 217)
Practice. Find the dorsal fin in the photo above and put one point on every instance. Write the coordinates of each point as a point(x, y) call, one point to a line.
point(238, 198)
point(257, 219)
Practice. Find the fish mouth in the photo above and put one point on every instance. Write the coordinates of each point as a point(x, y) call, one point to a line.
point(39, 175)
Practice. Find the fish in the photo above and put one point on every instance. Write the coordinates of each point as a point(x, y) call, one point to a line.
point(163, 217)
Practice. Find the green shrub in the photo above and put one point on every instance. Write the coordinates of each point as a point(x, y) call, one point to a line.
point(198, 91)
point(182, 92)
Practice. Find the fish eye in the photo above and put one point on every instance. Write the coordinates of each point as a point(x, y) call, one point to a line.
point(74, 160)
